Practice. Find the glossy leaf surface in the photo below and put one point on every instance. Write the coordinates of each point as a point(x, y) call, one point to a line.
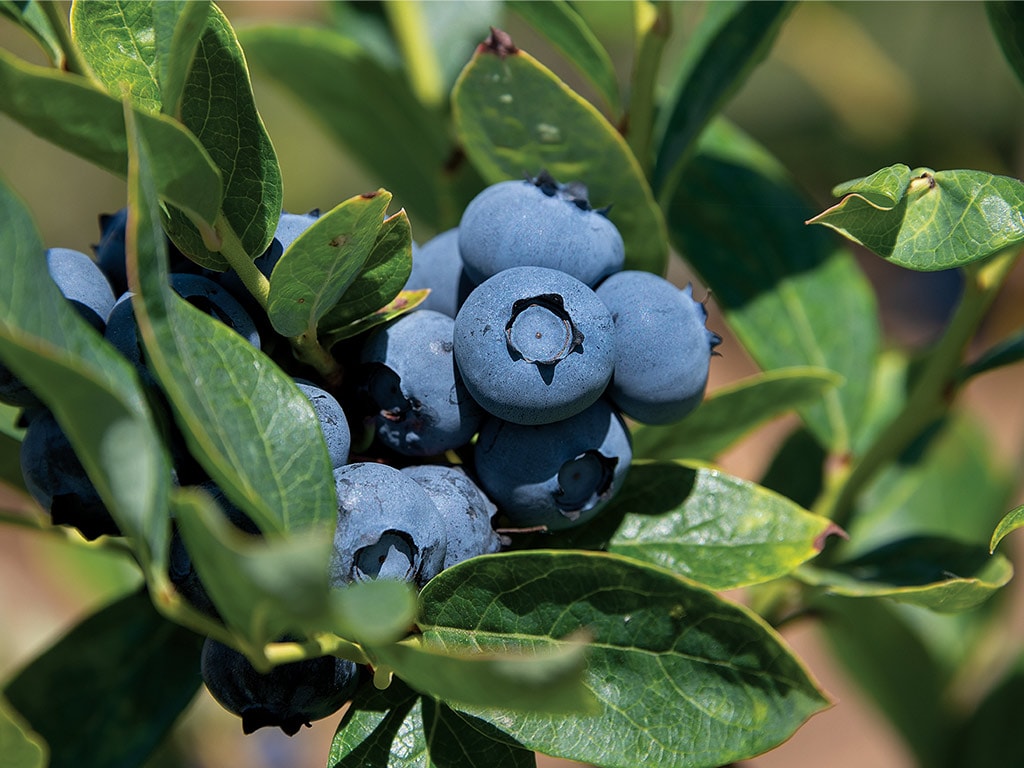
point(243, 418)
point(929, 220)
point(733, 411)
point(514, 116)
point(682, 677)
point(1013, 520)
point(788, 293)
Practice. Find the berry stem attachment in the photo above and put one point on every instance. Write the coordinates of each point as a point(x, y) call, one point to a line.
point(307, 349)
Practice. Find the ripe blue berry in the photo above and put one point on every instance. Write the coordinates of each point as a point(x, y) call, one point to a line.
point(387, 527)
point(539, 223)
point(437, 265)
point(423, 408)
point(466, 511)
point(554, 475)
point(288, 697)
point(534, 345)
point(333, 423)
point(57, 480)
point(663, 349)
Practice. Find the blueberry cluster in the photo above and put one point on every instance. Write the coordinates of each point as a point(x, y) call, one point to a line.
point(496, 406)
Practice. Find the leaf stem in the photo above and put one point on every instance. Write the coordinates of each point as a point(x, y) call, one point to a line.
point(654, 25)
point(73, 61)
point(231, 248)
point(320, 645)
point(307, 349)
point(933, 390)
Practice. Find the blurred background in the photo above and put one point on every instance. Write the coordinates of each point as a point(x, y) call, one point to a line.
point(848, 88)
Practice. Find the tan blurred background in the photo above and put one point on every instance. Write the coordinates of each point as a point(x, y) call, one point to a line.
point(848, 89)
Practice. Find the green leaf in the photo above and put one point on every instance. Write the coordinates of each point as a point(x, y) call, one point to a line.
point(797, 469)
point(404, 302)
point(524, 679)
point(374, 612)
point(1007, 352)
point(888, 661)
point(383, 274)
point(929, 220)
point(29, 15)
point(179, 25)
point(109, 690)
point(69, 111)
point(682, 677)
point(395, 728)
point(1013, 520)
point(718, 530)
point(789, 295)
point(317, 269)
point(243, 418)
point(1007, 22)
point(19, 747)
point(948, 483)
point(217, 105)
point(514, 116)
point(731, 40)
point(730, 413)
point(91, 389)
point(562, 25)
point(941, 574)
point(118, 41)
point(399, 140)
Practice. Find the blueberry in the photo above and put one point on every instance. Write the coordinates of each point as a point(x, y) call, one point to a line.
point(110, 251)
point(663, 349)
point(57, 480)
point(180, 569)
point(534, 345)
point(542, 223)
point(554, 475)
point(423, 408)
point(387, 527)
point(466, 511)
point(333, 423)
point(288, 697)
point(437, 265)
point(216, 301)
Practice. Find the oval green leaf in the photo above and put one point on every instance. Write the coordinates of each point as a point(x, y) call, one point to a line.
point(217, 105)
point(1007, 22)
point(515, 117)
point(941, 574)
point(1006, 352)
point(145, 47)
point(682, 677)
point(125, 653)
point(317, 269)
point(404, 143)
point(30, 16)
point(243, 418)
point(716, 529)
point(730, 413)
point(405, 301)
point(732, 39)
point(1010, 523)
point(20, 747)
point(69, 111)
point(788, 293)
point(395, 728)
point(563, 26)
point(381, 278)
point(935, 220)
point(542, 679)
point(261, 587)
point(91, 389)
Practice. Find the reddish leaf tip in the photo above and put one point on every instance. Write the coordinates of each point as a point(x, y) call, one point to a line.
point(831, 530)
point(498, 42)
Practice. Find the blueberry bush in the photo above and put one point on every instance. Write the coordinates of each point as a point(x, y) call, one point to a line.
point(462, 486)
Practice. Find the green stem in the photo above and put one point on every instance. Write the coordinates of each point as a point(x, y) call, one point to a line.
point(230, 247)
point(73, 61)
point(409, 25)
point(653, 33)
point(321, 645)
point(933, 390)
point(308, 349)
